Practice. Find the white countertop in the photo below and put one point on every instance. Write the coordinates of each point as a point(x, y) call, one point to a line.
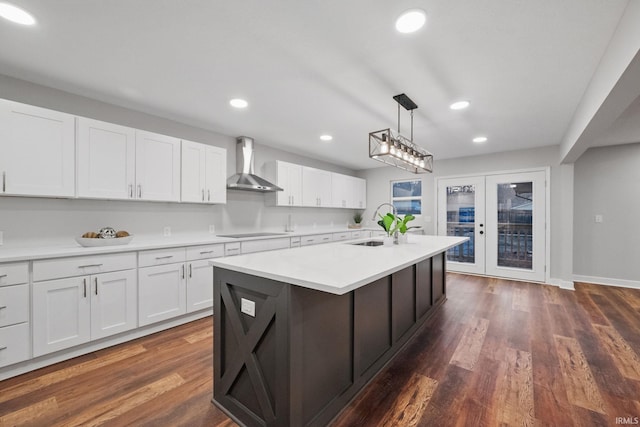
point(338, 267)
point(32, 250)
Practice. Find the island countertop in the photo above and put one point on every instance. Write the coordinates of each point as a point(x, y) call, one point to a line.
point(337, 268)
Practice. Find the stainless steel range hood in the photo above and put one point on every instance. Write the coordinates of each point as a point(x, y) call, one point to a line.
point(245, 179)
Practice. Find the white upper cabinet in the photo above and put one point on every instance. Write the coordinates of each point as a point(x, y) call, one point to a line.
point(106, 160)
point(360, 193)
point(204, 170)
point(287, 176)
point(316, 187)
point(36, 151)
point(157, 167)
point(341, 190)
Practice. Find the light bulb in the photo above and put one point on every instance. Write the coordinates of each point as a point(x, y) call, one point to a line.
point(384, 148)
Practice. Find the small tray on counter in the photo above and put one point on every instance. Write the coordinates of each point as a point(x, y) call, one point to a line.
point(88, 242)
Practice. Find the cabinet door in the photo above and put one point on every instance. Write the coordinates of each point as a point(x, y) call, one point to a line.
point(340, 190)
point(360, 193)
point(36, 151)
point(216, 174)
point(106, 160)
point(61, 310)
point(290, 179)
point(316, 187)
point(193, 172)
point(114, 303)
point(157, 167)
point(162, 293)
point(199, 285)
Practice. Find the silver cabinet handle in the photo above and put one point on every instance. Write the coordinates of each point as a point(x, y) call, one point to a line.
point(208, 195)
point(139, 191)
point(164, 257)
point(131, 191)
point(3, 348)
point(4, 182)
point(2, 275)
point(89, 265)
point(190, 270)
point(96, 282)
point(84, 282)
point(2, 306)
point(203, 194)
point(205, 252)
point(183, 271)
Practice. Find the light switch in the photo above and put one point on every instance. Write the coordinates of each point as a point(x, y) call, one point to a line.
point(598, 219)
point(248, 307)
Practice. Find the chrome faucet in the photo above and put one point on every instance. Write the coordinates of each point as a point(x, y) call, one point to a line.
point(395, 215)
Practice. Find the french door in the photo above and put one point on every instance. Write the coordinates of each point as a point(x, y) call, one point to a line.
point(504, 217)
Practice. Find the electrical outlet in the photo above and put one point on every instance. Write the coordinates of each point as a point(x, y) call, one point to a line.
point(598, 219)
point(212, 229)
point(248, 307)
point(1, 238)
point(166, 231)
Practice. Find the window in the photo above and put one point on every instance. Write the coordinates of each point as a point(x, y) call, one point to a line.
point(406, 196)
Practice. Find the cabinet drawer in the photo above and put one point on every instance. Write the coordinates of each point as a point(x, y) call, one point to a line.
point(80, 266)
point(161, 257)
point(232, 249)
point(204, 252)
point(360, 234)
point(14, 274)
point(341, 236)
point(14, 304)
point(315, 239)
point(14, 344)
point(264, 245)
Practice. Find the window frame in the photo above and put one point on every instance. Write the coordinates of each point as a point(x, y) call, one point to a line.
point(392, 199)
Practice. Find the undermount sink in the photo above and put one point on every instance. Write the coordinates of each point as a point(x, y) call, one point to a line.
point(369, 243)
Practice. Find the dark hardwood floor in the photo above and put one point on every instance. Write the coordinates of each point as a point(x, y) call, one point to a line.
point(498, 352)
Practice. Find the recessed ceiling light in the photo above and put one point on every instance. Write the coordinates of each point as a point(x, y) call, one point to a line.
point(459, 105)
point(238, 103)
point(15, 14)
point(326, 137)
point(480, 139)
point(411, 21)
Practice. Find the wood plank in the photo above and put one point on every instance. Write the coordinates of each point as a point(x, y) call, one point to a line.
point(624, 357)
point(411, 402)
point(581, 388)
point(468, 349)
point(516, 386)
point(199, 336)
point(100, 414)
point(55, 377)
point(520, 299)
point(30, 414)
point(551, 294)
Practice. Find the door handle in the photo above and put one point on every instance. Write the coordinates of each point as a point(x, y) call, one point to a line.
point(203, 194)
point(481, 232)
point(183, 271)
point(4, 181)
point(96, 282)
point(208, 195)
point(190, 270)
point(139, 191)
point(481, 225)
point(84, 282)
point(131, 191)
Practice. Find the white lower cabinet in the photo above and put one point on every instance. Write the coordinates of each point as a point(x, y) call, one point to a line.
point(14, 344)
point(75, 310)
point(199, 285)
point(15, 333)
point(315, 239)
point(162, 292)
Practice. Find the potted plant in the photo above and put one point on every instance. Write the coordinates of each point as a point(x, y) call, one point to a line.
point(392, 224)
point(401, 226)
point(386, 222)
point(357, 220)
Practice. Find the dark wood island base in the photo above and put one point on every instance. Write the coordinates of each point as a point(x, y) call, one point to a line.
point(307, 353)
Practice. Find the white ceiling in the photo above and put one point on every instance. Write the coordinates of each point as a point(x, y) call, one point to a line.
point(326, 66)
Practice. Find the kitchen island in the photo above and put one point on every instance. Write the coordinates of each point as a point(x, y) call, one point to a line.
point(299, 332)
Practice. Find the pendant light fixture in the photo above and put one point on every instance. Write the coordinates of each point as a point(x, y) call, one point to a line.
point(397, 150)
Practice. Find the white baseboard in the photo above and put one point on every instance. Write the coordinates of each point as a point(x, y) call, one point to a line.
point(634, 284)
point(562, 284)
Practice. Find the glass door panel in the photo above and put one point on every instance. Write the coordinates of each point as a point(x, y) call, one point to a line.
point(516, 210)
point(461, 213)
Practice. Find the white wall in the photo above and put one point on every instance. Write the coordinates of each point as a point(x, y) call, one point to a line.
point(52, 219)
point(607, 183)
point(378, 182)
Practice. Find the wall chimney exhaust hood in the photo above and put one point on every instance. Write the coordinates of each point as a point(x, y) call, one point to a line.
point(245, 179)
